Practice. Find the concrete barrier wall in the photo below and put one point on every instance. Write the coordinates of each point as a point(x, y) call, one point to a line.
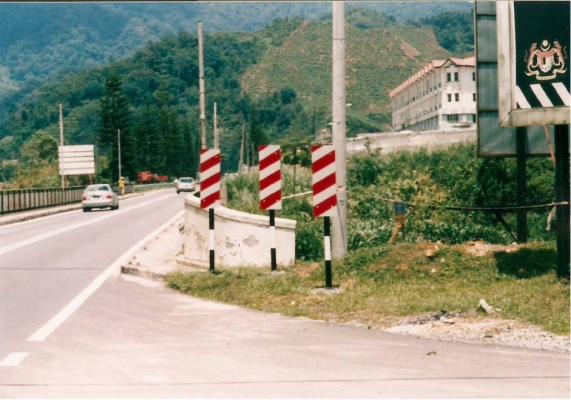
point(394, 141)
point(241, 239)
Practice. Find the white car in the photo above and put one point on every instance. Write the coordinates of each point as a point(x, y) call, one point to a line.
point(185, 185)
point(99, 196)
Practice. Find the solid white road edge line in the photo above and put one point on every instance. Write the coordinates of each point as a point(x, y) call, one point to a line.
point(13, 359)
point(42, 333)
point(43, 236)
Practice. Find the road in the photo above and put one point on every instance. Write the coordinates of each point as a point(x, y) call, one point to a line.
point(133, 338)
point(47, 262)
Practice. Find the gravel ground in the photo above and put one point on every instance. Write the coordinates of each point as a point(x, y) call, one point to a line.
point(469, 327)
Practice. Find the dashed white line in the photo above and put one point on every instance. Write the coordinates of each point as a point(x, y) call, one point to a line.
point(13, 359)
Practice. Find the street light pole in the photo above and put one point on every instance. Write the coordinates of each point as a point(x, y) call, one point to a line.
point(339, 223)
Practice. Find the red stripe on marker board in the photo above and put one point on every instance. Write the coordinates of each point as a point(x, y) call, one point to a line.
point(272, 158)
point(270, 180)
point(325, 206)
point(270, 200)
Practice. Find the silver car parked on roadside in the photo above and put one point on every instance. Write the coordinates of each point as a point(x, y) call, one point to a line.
point(99, 196)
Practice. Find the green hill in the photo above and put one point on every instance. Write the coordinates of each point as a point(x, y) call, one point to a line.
point(39, 39)
point(377, 60)
point(276, 82)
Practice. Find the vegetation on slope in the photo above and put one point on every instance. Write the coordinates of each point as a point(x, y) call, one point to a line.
point(427, 183)
point(383, 284)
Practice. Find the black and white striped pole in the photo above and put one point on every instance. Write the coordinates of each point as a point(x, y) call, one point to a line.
point(273, 239)
point(327, 250)
point(211, 238)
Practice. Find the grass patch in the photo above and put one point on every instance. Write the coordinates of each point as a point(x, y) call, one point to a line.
point(386, 283)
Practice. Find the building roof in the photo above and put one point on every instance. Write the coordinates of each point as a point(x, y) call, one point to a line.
point(459, 62)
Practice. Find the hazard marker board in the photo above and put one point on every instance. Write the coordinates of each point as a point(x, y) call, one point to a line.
point(324, 182)
point(270, 177)
point(209, 178)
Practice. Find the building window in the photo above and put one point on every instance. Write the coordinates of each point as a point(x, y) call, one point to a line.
point(473, 118)
point(455, 76)
point(452, 118)
point(474, 76)
point(448, 77)
point(449, 97)
point(456, 97)
point(474, 96)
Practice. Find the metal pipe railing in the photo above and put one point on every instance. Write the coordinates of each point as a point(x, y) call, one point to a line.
point(17, 200)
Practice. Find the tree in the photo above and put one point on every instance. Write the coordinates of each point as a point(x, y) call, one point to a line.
point(114, 114)
point(257, 135)
point(42, 147)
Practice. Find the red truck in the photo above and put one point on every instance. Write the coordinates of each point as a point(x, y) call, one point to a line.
point(148, 177)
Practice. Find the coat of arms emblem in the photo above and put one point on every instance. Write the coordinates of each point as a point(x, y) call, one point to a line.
point(546, 61)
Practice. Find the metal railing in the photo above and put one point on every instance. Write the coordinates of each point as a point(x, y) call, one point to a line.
point(16, 200)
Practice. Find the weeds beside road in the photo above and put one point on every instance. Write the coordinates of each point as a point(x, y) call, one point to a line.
point(379, 286)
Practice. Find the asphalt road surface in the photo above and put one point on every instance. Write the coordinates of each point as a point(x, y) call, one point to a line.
point(72, 327)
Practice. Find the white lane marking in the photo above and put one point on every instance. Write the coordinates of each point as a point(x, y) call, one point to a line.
point(41, 334)
point(43, 236)
point(13, 359)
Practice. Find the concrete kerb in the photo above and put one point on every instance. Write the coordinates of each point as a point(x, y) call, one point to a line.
point(44, 212)
point(161, 255)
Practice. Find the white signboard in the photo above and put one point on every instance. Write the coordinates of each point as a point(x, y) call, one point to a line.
point(76, 160)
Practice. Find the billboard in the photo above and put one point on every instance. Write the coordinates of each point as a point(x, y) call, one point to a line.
point(495, 140)
point(533, 63)
point(76, 160)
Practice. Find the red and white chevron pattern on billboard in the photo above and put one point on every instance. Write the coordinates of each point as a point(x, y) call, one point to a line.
point(209, 178)
point(323, 178)
point(270, 177)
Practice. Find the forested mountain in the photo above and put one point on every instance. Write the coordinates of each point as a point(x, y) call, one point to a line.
point(273, 84)
point(39, 39)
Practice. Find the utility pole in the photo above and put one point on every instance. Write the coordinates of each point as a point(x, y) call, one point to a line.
point(339, 223)
point(241, 162)
point(215, 129)
point(119, 150)
point(61, 139)
point(201, 88)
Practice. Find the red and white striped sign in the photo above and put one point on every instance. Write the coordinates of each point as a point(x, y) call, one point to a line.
point(323, 178)
point(270, 177)
point(209, 178)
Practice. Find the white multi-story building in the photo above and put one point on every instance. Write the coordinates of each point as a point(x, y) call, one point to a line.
point(441, 96)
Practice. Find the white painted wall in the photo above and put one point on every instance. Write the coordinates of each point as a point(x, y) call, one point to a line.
point(394, 141)
point(241, 239)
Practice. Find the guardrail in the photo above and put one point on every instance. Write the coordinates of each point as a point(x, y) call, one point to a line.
point(16, 200)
